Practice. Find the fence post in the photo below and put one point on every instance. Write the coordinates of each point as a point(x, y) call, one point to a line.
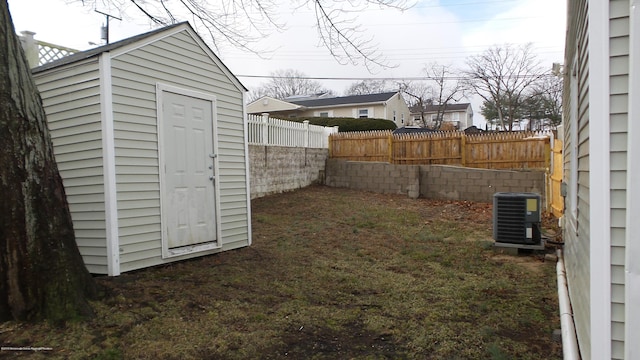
point(547, 154)
point(265, 128)
point(30, 48)
point(306, 133)
point(390, 147)
point(463, 149)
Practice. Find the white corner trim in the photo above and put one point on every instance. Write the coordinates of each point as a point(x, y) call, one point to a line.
point(247, 167)
point(599, 173)
point(109, 167)
point(632, 243)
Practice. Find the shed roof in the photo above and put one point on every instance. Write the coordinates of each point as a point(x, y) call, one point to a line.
point(183, 26)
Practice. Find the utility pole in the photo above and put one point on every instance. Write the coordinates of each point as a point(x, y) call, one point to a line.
point(105, 29)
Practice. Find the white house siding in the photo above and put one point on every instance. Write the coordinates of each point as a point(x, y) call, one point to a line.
point(576, 161)
point(71, 97)
point(375, 111)
point(397, 104)
point(619, 100)
point(176, 60)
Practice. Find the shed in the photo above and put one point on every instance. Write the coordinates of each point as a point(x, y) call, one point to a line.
point(150, 137)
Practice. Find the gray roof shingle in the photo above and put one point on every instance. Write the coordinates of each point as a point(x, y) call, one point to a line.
point(434, 108)
point(346, 100)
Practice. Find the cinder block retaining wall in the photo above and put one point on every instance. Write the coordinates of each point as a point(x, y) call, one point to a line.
point(374, 176)
point(432, 181)
point(275, 169)
point(460, 183)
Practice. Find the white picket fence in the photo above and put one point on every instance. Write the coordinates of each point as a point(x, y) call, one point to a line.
point(264, 130)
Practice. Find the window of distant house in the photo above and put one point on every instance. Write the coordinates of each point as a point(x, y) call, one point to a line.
point(402, 117)
point(363, 113)
point(455, 116)
point(434, 117)
point(324, 114)
point(394, 116)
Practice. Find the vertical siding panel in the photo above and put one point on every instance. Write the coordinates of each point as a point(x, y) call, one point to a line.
point(71, 98)
point(577, 254)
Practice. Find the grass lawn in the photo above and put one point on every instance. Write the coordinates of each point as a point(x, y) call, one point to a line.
point(332, 274)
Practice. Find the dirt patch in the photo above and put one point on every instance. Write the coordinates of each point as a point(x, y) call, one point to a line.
point(533, 263)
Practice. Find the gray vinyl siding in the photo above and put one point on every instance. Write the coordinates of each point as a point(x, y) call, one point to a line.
point(576, 232)
point(176, 60)
point(619, 100)
point(577, 243)
point(71, 97)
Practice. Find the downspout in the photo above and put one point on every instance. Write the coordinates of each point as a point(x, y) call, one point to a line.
point(570, 348)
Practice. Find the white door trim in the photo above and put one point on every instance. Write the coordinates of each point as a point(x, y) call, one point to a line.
point(166, 251)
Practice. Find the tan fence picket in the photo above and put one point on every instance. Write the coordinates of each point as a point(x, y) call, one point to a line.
point(523, 150)
point(555, 179)
point(360, 146)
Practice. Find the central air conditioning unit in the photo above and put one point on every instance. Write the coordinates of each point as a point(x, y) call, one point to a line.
point(516, 220)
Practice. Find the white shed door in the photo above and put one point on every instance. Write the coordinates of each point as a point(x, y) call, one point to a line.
point(189, 205)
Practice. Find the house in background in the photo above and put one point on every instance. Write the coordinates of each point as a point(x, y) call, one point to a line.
point(460, 116)
point(389, 105)
point(150, 137)
point(602, 173)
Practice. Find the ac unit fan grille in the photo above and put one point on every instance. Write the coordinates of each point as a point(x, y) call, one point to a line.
point(510, 220)
point(513, 221)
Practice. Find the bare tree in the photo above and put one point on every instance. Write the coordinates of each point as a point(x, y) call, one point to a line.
point(243, 24)
point(418, 97)
point(446, 88)
point(502, 75)
point(42, 274)
point(289, 82)
point(441, 88)
point(544, 104)
point(366, 87)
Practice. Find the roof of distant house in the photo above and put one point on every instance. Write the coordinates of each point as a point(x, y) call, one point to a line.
point(345, 100)
point(434, 108)
point(411, 130)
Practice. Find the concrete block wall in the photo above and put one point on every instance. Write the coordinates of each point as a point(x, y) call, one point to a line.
point(377, 177)
point(432, 181)
point(459, 183)
point(275, 169)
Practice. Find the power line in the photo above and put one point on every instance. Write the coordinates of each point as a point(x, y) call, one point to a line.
point(381, 78)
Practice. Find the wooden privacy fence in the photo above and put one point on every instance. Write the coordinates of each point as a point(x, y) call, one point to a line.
point(521, 150)
point(554, 192)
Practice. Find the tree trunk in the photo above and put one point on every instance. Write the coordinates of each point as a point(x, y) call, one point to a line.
point(42, 275)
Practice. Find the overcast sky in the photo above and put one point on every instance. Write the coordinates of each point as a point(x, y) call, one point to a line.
point(445, 31)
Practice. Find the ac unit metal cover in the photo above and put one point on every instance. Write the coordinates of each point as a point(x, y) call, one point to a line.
point(516, 218)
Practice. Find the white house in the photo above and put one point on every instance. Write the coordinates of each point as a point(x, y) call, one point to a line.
point(149, 134)
point(459, 115)
point(388, 105)
point(602, 173)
